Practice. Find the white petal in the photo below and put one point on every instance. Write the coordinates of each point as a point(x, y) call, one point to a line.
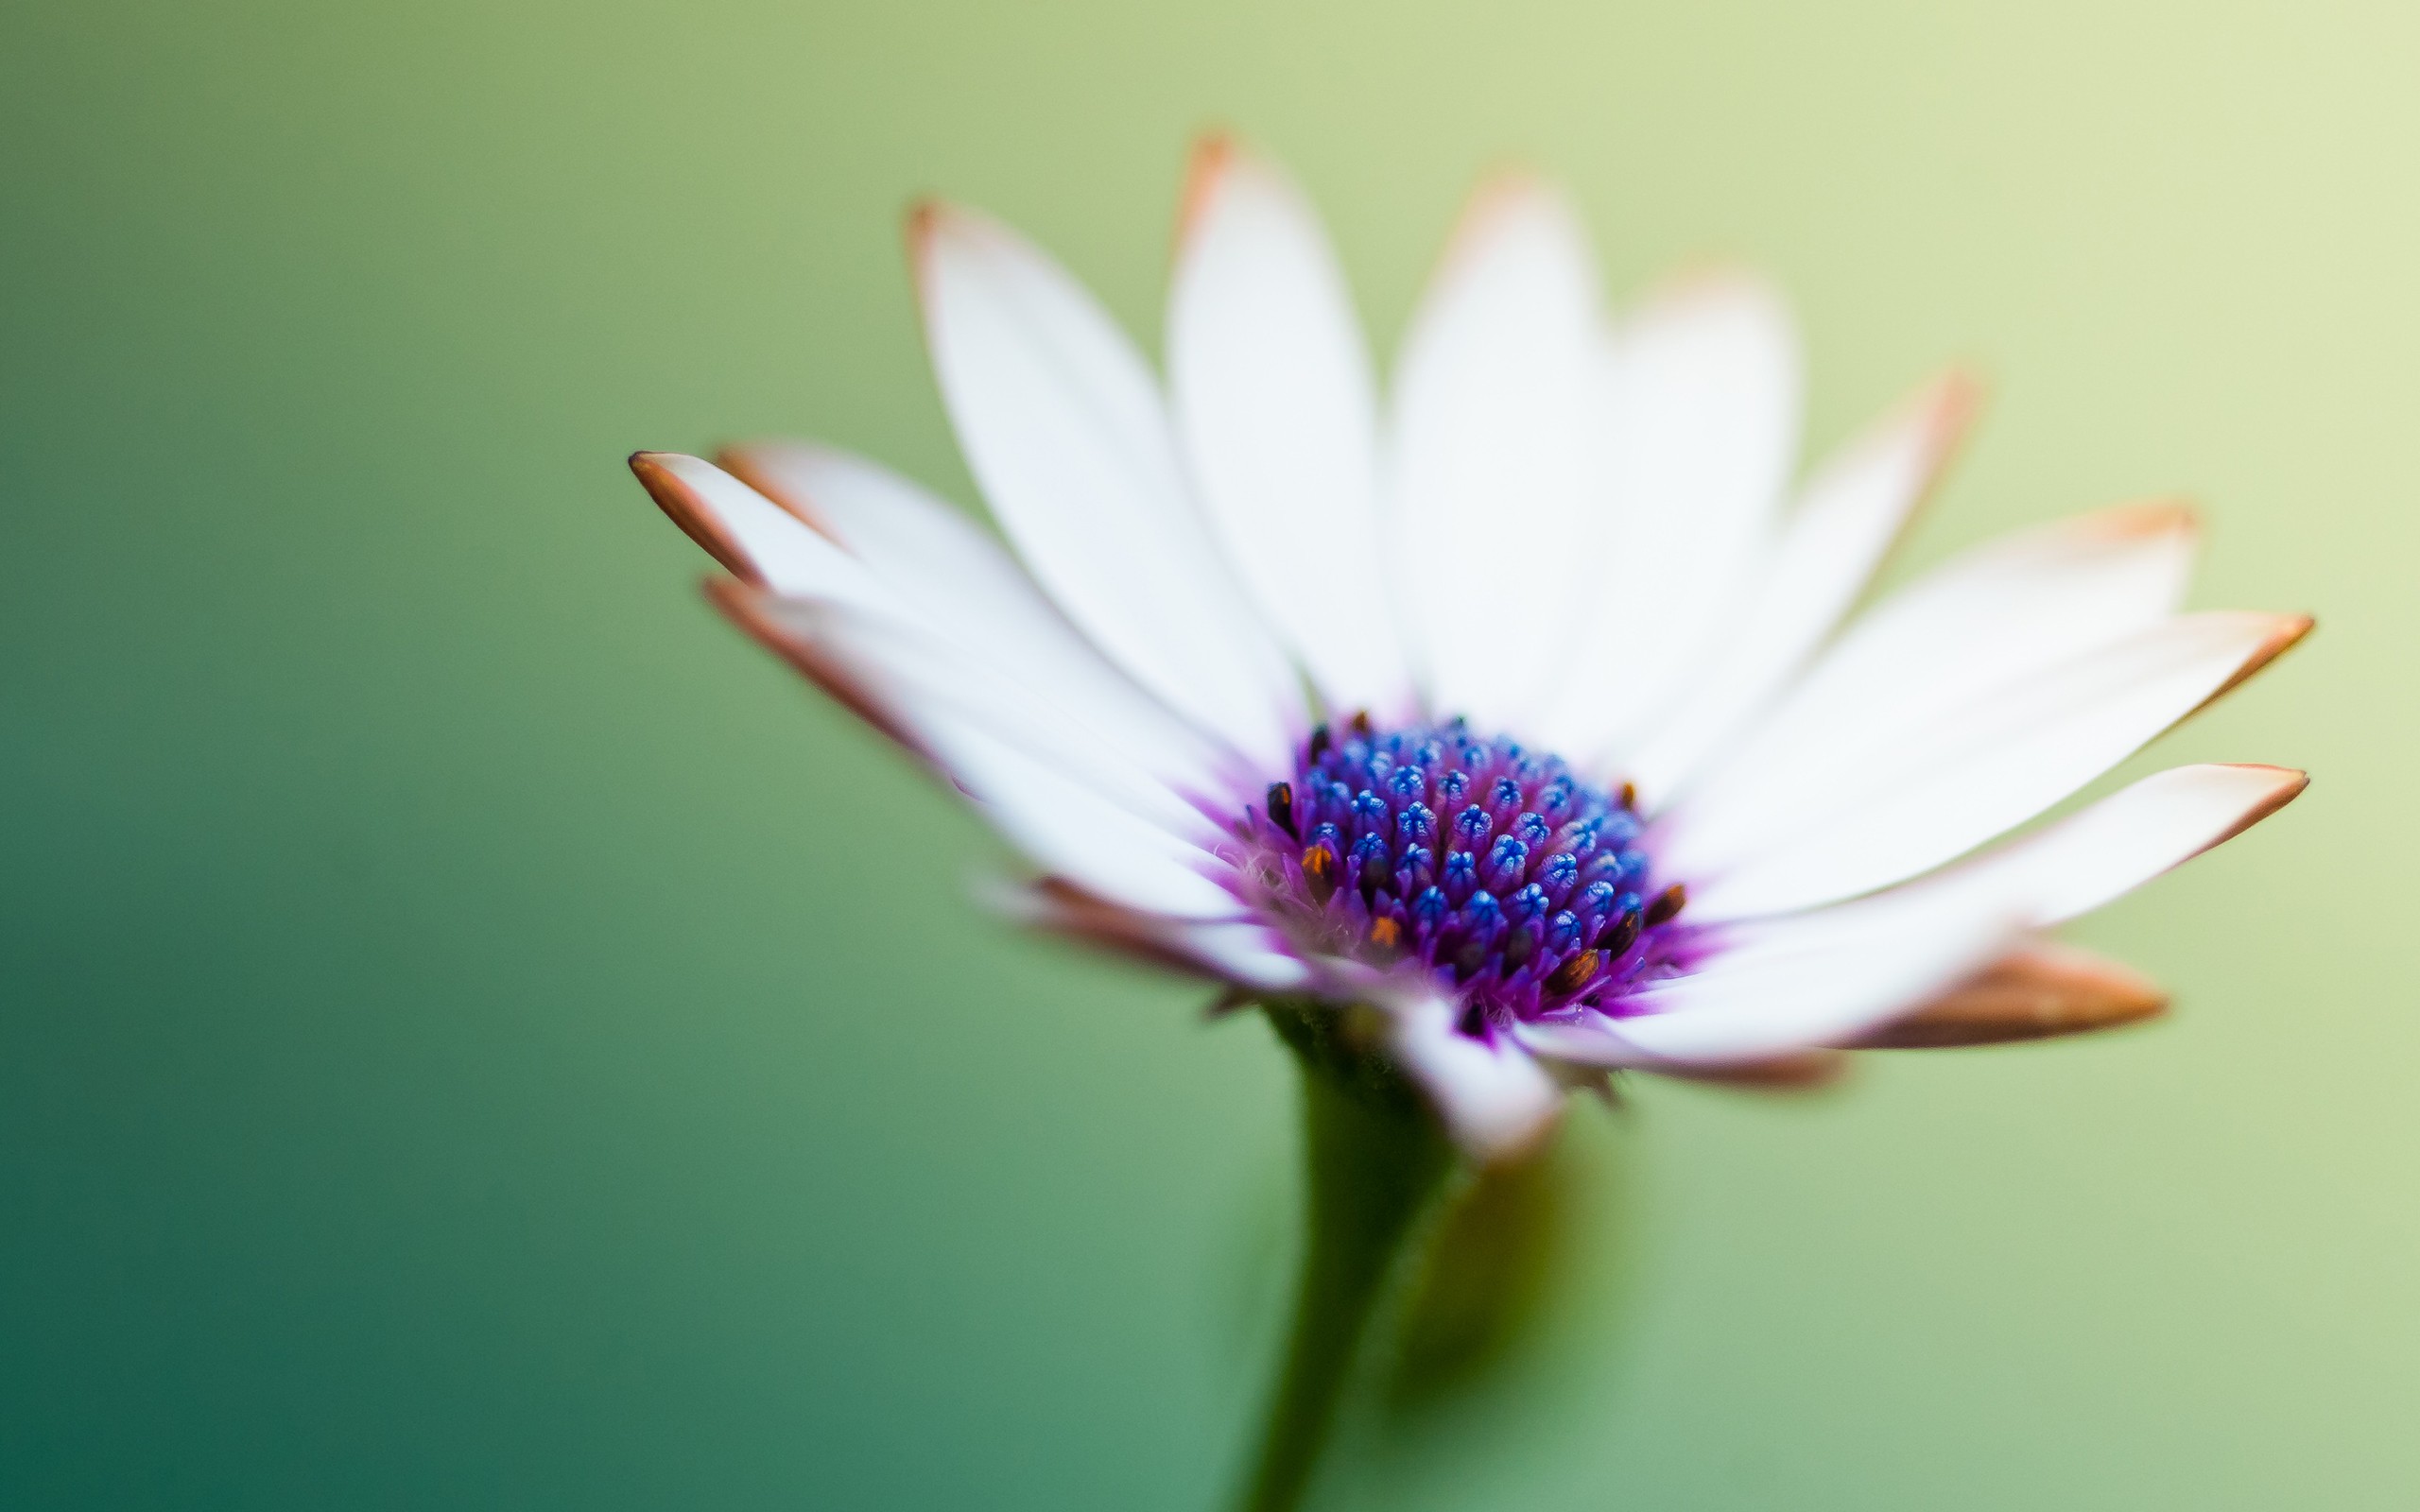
point(1240, 951)
point(1493, 463)
point(933, 680)
point(880, 649)
point(1070, 826)
point(967, 589)
point(1791, 983)
point(1277, 410)
point(1837, 975)
point(2103, 851)
point(1062, 425)
point(1055, 789)
point(1848, 517)
point(750, 534)
point(1249, 954)
point(1495, 1099)
point(2007, 609)
point(2009, 753)
point(1701, 408)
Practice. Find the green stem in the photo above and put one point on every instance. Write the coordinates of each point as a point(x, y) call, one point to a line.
point(1372, 1158)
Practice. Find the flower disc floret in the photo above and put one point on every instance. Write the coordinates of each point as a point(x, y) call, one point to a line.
point(1522, 889)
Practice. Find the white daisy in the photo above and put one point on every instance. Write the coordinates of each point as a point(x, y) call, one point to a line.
point(1510, 713)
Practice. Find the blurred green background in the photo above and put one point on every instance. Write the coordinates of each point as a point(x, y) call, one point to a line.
point(475, 1034)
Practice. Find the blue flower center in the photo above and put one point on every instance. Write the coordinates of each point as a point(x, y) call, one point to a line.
point(1521, 886)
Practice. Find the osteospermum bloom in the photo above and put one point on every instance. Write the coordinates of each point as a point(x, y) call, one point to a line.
point(1512, 714)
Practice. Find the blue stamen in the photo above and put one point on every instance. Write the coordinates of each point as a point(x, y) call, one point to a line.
point(1369, 811)
point(1371, 858)
point(1486, 916)
point(1506, 862)
point(1472, 825)
point(1426, 848)
point(1605, 866)
point(1563, 932)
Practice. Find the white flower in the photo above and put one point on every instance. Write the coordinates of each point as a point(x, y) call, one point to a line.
point(1514, 706)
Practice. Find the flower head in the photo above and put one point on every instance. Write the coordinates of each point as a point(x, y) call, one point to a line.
point(1517, 708)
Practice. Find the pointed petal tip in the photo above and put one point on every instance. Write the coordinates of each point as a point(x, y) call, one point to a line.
point(1213, 141)
point(918, 228)
point(946, 241)
point(1936, 418)
point(1215, 151)
point(1206, 174)
point(933, 220)
point(1218, 161)
point(2284, 632)
point(664, 477)
point(656, 471)
point(2141, 520)
point(1952, 402)
point(931, 224)
point(2285, 784)
point(1504, 195)
point(2042, 992)
point(1512, 179)
point(1714, 281)
point(2290, 781)
point(1943, 413)
point(1964, 383)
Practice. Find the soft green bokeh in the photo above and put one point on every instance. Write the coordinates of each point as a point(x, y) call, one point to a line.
point(474, 1034)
